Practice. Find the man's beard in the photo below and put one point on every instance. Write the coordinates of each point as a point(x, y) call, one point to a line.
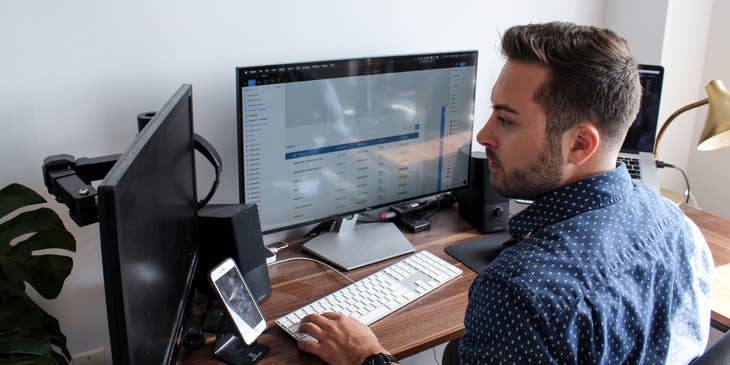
point(538, 177)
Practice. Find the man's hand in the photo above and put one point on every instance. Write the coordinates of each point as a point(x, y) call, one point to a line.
point(342, 340)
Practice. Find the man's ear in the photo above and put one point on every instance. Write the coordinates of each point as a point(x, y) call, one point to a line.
point(582, 142)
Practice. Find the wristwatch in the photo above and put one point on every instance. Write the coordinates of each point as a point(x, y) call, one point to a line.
point(380, 359)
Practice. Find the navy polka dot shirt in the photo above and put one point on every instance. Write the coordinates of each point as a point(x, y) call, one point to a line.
point(605, 272)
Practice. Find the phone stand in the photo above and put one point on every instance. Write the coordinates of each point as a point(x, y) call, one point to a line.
point(215, 318)
point(230, 348)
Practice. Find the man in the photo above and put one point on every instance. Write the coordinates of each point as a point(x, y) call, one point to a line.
point(602, 270)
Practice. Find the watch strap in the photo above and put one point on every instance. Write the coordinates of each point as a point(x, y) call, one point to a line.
point(380, 359)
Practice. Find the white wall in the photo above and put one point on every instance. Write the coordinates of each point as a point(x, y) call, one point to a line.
point(708, 170)
point(73, 76)
point(678, 35)
point(642, 24)
point(683, 57)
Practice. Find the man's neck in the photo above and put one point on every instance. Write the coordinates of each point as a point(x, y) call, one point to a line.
point(597, 164)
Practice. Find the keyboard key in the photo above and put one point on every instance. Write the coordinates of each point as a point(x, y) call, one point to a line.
point(371, 316)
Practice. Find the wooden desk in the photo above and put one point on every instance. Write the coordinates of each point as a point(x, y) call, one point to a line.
point(438, 316)
point(433, 319)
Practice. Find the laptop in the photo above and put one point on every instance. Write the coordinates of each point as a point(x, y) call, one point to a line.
point(637, 151)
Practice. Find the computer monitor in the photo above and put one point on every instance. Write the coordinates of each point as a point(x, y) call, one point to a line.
point(148, 227)
point(642, 133)
point(324, 140)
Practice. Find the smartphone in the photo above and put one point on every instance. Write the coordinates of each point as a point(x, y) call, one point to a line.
point(227, 281)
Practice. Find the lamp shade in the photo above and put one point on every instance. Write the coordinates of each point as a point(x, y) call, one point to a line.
point(716, 133)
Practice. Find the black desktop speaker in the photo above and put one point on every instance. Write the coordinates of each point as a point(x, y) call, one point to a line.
point(234, 230)
point(479, 205)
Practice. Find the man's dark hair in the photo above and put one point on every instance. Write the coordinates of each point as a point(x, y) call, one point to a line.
point(593, 77)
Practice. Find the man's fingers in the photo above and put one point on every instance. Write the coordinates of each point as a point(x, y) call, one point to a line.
point(332, 315)
point(321, 321)
point(310, 346)
point(314, 318)
point(342, 339)
point(341, 318)
point(310, 329)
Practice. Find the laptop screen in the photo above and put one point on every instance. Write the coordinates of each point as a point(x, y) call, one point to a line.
point(641, 134)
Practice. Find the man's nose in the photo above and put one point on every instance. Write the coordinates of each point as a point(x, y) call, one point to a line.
point(485, 137)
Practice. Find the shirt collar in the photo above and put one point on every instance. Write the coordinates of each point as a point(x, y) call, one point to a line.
point(581, 196)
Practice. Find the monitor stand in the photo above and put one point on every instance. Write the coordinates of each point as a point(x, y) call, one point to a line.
point(350, 246)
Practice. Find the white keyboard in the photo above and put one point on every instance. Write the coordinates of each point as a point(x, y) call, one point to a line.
point(379, 294)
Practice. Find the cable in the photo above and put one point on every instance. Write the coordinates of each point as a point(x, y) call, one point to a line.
point(208, 151)
point(662, 164)
point(439, 201)
point(694, 201)
point(276, 246)
point(435, 210)
point(369, 218)
point(434, 204)
point(313, 260)
point(435, 358)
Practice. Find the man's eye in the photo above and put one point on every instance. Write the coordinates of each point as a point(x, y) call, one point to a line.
point(504, 121)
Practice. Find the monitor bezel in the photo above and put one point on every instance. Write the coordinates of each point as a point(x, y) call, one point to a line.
point(109, 240)
point(239, 117)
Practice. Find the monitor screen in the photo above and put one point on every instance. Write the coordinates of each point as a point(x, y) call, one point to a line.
point(642, 133)
point(148, 227)
point(320, 140)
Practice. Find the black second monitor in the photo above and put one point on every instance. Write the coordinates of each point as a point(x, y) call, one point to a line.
point(148, 226)
point(326, 139)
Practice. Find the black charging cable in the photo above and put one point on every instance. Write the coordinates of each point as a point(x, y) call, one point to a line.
point(201, 145)
point(662, 164)
point(435, 210)
point(209, 152)
point(444, 200)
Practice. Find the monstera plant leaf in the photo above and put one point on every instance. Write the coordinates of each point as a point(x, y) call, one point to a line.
point(27, 333)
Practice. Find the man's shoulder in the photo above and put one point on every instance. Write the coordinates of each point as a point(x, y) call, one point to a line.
point(545, 274)
point(640, 213)
point(570, 256)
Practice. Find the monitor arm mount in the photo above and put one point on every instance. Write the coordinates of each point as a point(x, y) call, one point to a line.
point(69, 179)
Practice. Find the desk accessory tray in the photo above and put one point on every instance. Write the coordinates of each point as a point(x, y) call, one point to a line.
point(477, 253)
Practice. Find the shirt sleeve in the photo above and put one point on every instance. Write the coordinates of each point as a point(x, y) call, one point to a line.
point(501, 327)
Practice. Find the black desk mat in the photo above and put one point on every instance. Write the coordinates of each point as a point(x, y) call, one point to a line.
point(477, 253)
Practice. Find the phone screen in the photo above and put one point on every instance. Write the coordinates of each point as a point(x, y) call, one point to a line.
point(240, 305)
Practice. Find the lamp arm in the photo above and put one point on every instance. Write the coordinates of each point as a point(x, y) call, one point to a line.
point(670, 119)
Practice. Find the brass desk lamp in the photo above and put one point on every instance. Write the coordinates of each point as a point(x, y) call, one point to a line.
point(716, 133)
